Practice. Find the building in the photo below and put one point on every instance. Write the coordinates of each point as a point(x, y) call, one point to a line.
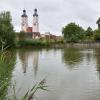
point(24, 21)
point(34, 30)
point(35, 21)
point(29, 29)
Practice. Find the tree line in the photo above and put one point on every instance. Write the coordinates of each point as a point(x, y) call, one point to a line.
point(75, 33)
point(71, 32)
point(7, 33)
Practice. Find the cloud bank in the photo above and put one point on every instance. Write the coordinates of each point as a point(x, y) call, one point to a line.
point(54, 14)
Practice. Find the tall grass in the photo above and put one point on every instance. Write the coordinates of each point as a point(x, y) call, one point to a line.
point(6, 67)
point(30, 42)
point(30, 94)
point(38, 86)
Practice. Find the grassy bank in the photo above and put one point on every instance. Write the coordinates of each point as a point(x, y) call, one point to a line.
point(57, 44)
point(30, 42)
point(88, 45)
point(6, 67)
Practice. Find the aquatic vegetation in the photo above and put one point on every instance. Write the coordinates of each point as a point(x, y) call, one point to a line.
point(7, 63)
point(38, 86)
point(30, 94)
point(6, 67)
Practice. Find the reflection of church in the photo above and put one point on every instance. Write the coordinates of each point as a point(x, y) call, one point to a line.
point(34, 30)
point(29, 59)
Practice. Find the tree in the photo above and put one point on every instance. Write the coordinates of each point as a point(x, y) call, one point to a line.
point(7, 34)
point(89, 32)
point(22, 35)
point(73, 33)
point(97, 35)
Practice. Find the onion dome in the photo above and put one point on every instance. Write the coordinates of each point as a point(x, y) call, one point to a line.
point(35, 13)
point(24, 13)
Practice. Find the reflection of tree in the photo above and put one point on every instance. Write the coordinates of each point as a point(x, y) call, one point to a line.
point(72, 57)
point(97, 55)
point(25, 56)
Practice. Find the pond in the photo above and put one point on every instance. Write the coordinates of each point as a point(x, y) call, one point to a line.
point(71, 74)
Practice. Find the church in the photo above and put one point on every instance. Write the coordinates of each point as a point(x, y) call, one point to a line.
point(33, 31)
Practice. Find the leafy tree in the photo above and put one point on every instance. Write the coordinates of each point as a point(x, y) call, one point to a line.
point(89, 34)
point(73, 33)
point(22, 35)
point(97, 35)
point(7, 34)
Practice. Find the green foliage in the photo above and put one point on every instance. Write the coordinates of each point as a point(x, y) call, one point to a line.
point(7, 33)
point(73, 33)
point(7, 63)
point(38, 86)
point(31, 42)
point(22, 35)
point(6, 66)
point(89, 32)
point(97, 35)
point(30, 93)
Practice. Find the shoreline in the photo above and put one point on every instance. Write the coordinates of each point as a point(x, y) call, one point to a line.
point(92, 45)
point(89, 45)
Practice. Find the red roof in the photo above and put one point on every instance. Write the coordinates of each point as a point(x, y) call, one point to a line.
point(29, 29)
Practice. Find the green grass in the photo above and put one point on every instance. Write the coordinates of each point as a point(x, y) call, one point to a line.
point(30, 42)
point(6, 67)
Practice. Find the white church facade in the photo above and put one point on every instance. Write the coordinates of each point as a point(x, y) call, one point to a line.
point(34, 30)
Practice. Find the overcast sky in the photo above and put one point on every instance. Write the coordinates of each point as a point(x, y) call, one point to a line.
point(54, 14)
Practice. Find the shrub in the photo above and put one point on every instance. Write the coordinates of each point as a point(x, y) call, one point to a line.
point(7, 33)
point(97, 35)
point(73, 33)
point(31, 42)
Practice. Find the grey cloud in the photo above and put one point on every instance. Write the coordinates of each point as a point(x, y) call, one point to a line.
point(54, 14)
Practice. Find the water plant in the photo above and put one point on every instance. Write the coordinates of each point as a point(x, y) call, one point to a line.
point(6, 67)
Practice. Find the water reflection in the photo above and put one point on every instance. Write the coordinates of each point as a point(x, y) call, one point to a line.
point(72, 57)
point(24, 60)
point(80, 84)
point(97, 55)
point(29, 58)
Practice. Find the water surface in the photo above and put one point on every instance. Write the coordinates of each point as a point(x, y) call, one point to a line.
point(71, 74)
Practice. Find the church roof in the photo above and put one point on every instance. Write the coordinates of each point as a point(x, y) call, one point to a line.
point(35, 12)
point(24, 14)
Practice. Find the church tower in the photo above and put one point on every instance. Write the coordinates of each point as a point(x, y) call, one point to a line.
point(35, 21)
point(24, 21)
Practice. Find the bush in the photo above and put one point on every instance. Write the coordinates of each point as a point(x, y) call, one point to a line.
point(31, 42)
point(97, 35)
point(7, 34)
point(6, 67)
point(73, 33)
